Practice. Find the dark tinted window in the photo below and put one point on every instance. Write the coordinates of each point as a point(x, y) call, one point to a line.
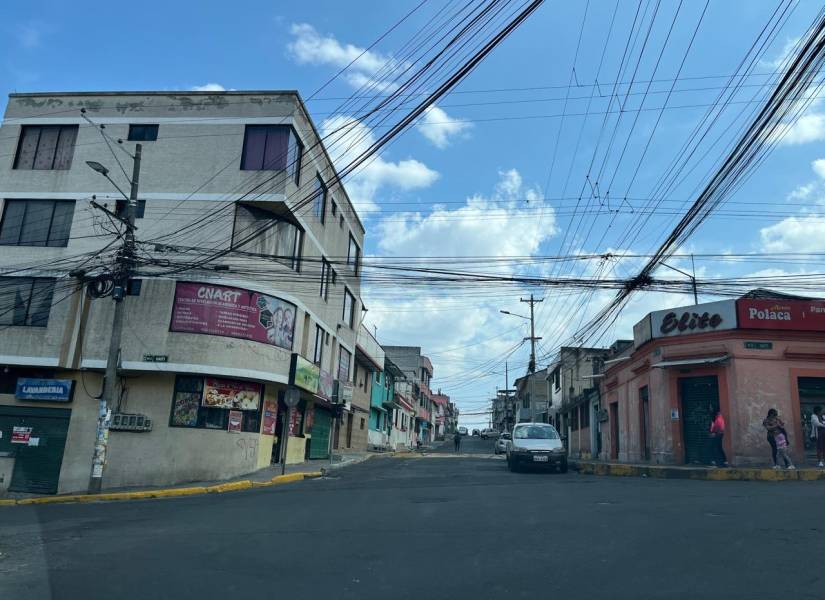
point(143, 133)
point(272, 148)
point(25, 301)
point(36, 222)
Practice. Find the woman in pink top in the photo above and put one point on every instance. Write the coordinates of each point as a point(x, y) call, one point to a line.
point(717, 434)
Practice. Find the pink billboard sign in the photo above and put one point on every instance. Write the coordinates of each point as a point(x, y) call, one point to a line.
point(233, 312)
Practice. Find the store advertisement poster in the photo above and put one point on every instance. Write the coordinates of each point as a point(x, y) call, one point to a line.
point(229, 393)
point(233, 312)
point(235, 421)
point(270, 417)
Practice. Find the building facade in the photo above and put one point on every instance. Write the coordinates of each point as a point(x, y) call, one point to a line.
point(744, 357)
point(418, 370)
point(532, 397)
point(208, 350)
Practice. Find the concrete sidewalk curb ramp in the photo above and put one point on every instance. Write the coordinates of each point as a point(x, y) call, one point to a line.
point(230, 486)
point(697, 473)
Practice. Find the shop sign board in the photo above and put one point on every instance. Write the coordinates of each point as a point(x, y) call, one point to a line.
point(21, 435)
point(294, 422)
point(304, 374)
point(229, 393)
point(796, 315)
point(343, 392)
point(699, 318)
point(326, 385)
point(309, 419)
point(49, 390)
point(270, 417)
point(235, 421)
point(759, 345)
point(233, 312)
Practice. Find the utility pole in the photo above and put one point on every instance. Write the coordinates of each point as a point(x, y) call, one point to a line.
point(531, 368)
point(121, 279)
point(688, 275)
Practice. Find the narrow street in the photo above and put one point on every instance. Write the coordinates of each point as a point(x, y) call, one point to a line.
point(437, 527)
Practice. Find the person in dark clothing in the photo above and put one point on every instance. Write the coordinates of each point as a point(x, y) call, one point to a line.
point(457, 441)
point(773, 425)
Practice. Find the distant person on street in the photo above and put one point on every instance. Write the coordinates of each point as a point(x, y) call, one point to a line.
point(773, 425)
point(818, 434)
point(717, 435)
point(782, 449)
point(457, 442)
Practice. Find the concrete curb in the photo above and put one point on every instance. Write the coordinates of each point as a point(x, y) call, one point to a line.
point(722, 474)
point(231, 486)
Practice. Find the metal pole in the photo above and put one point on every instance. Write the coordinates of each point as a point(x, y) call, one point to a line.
point(110, 383)
point(532, 359)
point(285, 441)
point(693, 279)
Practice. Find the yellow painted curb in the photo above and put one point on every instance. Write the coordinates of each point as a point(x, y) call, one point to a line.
point(232, 486)
point(313, 474)
point(7, 502)
point(287, 478)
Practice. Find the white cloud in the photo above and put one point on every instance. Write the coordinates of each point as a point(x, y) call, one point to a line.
point(794, 235)
point(209, 87)
point(819, 167)
point(779, 61)
point(482, 227)
point(438, 127)
point(810, 127)
point(348, 138)
point(368, 69)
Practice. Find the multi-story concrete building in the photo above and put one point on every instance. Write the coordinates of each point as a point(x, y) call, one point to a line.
point(419, 371)
point(441, 408)
point(532, 397)
point(240, 281)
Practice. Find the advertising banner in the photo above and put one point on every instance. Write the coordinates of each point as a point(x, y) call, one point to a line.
point(309, 419)
point(270, 417)
point(21, 435)
point(51, 390)
point(304, 374)
point(799, 315)
point(326, 385)
point(295, 422)
point(233, 312)
point(228, 393)
point(235, 421)
point(699, 318)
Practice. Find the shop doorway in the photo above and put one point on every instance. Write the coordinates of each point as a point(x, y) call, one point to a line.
point(700, 398)
point(321, 426)
point(811, 394)
point(614, 430)
point(35, 438)
point(349, 430)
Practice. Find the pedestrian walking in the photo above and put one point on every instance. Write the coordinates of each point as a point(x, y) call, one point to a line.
point(772, 425)
point(717, 435)
point(457, 442)
point(782, 449)
point(818, 434)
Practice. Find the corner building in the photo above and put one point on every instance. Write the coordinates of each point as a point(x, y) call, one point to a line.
point(207, 352)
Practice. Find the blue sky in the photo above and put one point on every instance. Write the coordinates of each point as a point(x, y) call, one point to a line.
point(495, 173)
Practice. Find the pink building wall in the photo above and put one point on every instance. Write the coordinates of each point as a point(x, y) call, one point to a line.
point(750, 382)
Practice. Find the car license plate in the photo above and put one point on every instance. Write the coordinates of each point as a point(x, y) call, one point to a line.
point(540, 458)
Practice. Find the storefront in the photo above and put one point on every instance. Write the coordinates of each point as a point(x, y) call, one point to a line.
point(742, 357)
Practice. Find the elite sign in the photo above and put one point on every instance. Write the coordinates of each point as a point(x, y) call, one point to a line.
point(698, 318)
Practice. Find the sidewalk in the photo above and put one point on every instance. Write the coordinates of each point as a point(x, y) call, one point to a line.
point(594, 467)
point(265, 477)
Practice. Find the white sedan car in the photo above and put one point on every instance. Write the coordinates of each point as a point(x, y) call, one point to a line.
point(501, 443)
point(536, 445)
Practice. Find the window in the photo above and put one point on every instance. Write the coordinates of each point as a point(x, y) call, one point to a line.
point(333, 207)
point(25, 301)
point(344, 359)
point(574, 421)
point(349, 308)
point(9, 375)
point(362, 423)
point(36, 223)
point(585, 416)
point(46, 147)
point(262, 232)
point(341, 221)
point(140, 209)
point(353, 255)
point(326, 276)
point(143, 133)
point(557, 379)
point(188, 411)
point(319, 345)
point(272, 148)
point(319, 199)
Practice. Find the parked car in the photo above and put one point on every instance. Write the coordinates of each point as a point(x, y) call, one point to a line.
point(536, 445)
point(462, 431)
point(475, 432)
point(501, 443)
point(489, 433)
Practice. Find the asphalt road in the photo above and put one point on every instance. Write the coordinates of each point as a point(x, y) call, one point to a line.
point(469, 445)
point(437, 527)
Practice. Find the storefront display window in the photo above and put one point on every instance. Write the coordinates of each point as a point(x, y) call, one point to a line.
point(196, 403)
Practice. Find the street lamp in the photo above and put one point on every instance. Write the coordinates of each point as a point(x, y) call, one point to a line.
point(507, 312)
point(96, 166)
point(688, 275)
